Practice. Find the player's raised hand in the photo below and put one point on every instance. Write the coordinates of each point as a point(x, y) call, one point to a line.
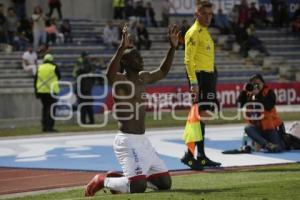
point(174, 35)
point(125, 42)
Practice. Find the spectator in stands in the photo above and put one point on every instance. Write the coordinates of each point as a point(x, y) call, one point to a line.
point(86, 85)
point(253, 42)
point(143, 37)
point(132, 30)
point(183, 29)
point(12, 23)
point(233, 18)
point(118, 6)
point(20, 8)
point(51, 32)
point(3, 25)
point(21, 38)
point(262, 127)
point(66, 30)
point(253, 14)
point(283, 18)
point(244, 13)
point(55, 4)
point(275, 12)
point(140, 12)
point(39, 33)
point(221, 22)
point(241, 35)
point(24, 34)
point(41, 52)
point(29, 60)
point(53, 36)
point(150, 15)
point(166, 6)
point(24, 26)
point(295, 21)
point(110, 35)
point(129, 9)
point(46, 85)
point(263, 20)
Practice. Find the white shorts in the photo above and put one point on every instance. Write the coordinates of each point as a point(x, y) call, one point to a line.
point(137, 156)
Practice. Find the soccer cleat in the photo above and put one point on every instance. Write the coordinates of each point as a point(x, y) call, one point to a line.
point(206, 162)
point(190, 161)
point(96, 184)
point(114, 174)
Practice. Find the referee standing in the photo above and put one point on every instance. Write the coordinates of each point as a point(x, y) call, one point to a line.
point(202, 76)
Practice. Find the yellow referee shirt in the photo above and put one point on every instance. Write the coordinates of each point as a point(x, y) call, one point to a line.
point(199, 51)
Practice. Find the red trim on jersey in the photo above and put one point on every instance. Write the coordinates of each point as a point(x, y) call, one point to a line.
point(158, 175)
point(135, 178)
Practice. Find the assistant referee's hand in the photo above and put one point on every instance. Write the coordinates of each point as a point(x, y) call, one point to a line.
point(194, 90)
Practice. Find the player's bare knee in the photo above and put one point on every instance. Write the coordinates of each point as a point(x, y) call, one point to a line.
point(138, 186)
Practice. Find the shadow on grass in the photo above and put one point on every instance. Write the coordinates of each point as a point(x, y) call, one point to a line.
point(277, 170)
point(195, 191)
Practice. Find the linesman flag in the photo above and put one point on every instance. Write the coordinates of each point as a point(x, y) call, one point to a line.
point(192, 131)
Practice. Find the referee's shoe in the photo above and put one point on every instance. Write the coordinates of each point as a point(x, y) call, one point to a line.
point(206, 162)
point(189, 160)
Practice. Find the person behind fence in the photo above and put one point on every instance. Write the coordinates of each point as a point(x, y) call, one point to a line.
point(202, 75)
point(140, 162)
point(46, 87)
point(84, 91)
point(263, 121)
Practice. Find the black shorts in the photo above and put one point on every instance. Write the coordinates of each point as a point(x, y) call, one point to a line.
point(207, 82)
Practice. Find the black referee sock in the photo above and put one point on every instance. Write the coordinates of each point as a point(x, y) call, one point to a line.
point(200, 144)
point(200, 149)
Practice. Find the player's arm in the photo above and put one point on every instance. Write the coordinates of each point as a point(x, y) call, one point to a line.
point(164, 68)
point(112, 73)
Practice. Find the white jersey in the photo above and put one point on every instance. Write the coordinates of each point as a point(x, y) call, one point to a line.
point(137, 156)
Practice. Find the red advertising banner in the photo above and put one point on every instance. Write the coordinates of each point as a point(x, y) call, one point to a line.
point(179, 96)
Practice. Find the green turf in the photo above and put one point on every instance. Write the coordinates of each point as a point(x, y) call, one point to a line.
point(263, 183)
point(152, 121)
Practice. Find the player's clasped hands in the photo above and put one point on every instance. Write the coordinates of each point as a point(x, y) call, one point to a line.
point(126, 42)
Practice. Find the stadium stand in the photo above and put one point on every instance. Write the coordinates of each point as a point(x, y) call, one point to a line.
point(231, 67)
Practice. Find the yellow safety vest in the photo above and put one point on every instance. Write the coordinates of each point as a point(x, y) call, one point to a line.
point(118, 3)
point(47, 78)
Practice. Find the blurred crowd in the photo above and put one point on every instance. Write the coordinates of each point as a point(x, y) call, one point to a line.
point(19, 29)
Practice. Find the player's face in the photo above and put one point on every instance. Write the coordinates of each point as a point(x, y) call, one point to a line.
point(204, 16)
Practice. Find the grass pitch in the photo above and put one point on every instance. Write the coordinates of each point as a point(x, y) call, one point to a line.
point(262, 183)
point(152, 121)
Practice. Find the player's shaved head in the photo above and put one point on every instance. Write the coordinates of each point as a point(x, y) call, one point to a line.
point(131, 60)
